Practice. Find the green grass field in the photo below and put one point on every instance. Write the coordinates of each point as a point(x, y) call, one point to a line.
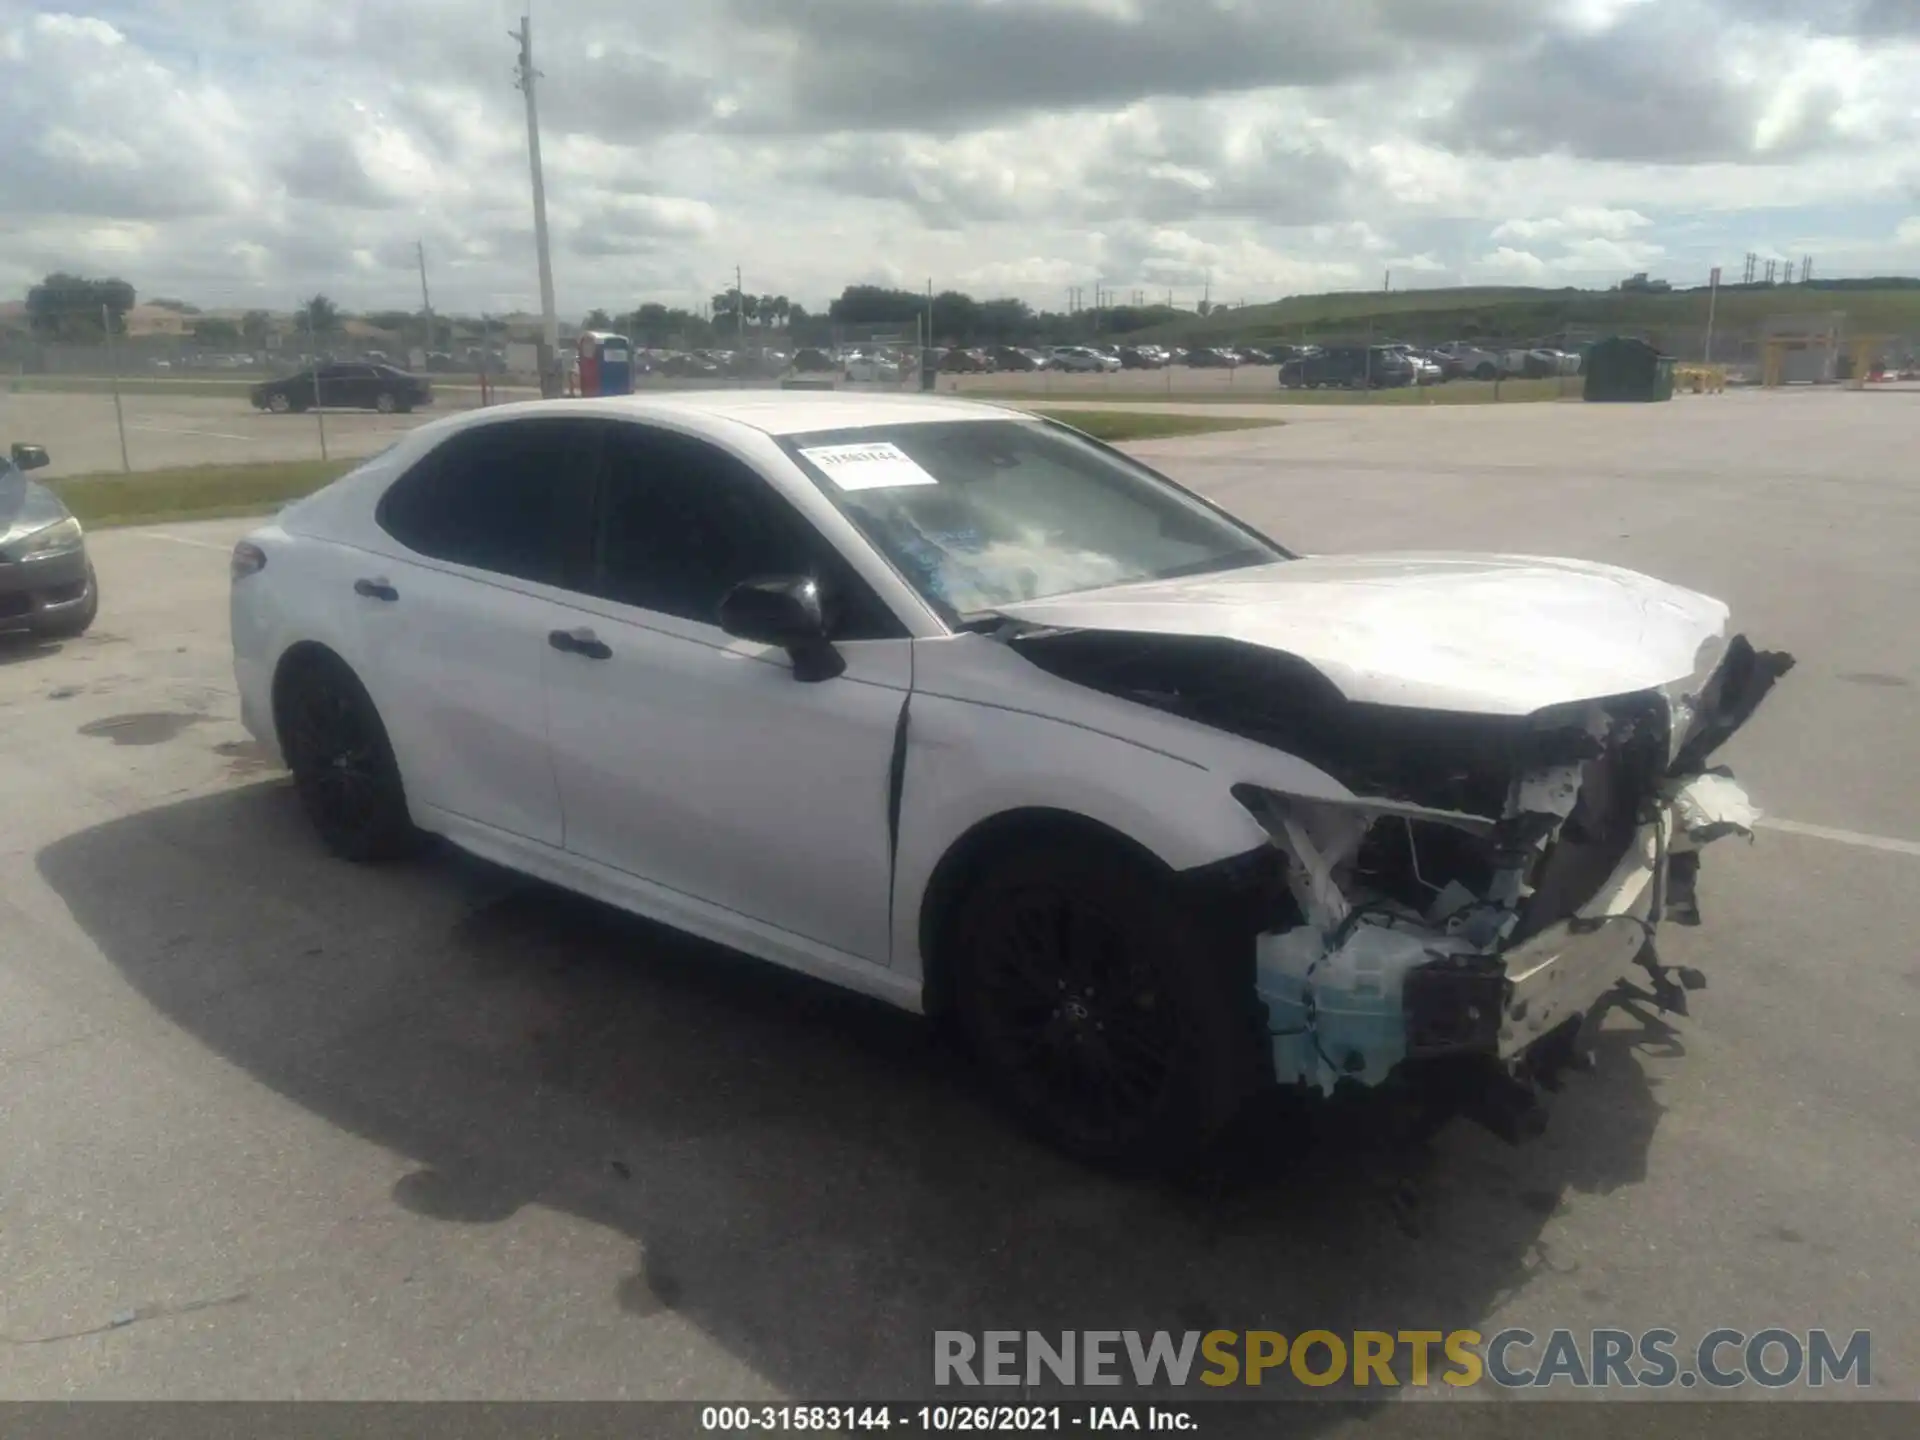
point(207, 492)
point(201, 492)
point(1519, 312)
point(1454, 392)
point(1118, 425)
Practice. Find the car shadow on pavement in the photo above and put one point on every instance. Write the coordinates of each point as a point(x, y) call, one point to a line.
point(808, 1177)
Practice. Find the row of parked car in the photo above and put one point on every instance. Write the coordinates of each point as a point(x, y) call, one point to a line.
point(1314, 367)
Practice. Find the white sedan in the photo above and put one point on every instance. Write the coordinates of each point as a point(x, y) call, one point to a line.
point(954, 706)
point(861, 366)
point(1084, 359)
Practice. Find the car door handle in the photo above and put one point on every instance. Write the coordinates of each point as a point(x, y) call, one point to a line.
point(377, 588)
point(582, 642)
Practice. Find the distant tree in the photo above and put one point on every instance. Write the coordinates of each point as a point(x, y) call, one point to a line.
point(1005, 321)
point(179, 307)
point(781, 309)
point(255, 326)
point(597, 320)
point(394, 322)
point(70, 307)
point(875, 305)
point(216, 334)
point(318, 317)
point(956, 318)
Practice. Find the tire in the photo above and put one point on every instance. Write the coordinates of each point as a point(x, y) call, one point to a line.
point(342, 763)
point(1102, 1018)
point(71, 627)
point(385, 402)
point(1486, 371)
point(278, 402)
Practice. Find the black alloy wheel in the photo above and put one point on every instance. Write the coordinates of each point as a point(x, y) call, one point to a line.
point(1102, 1017)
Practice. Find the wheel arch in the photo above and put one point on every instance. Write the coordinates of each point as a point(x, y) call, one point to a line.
point(970, 855)
point(297, 658)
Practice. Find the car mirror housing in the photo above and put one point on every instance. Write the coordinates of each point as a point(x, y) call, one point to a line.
point(31, 457)
point(785, 610)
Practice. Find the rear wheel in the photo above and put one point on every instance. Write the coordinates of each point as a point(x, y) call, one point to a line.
point(1100, 1014)
point(278, 402)
point(342, 763)
point(385, 402)
point(1486, 371)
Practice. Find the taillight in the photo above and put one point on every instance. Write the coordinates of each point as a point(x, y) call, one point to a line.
point(248, 559)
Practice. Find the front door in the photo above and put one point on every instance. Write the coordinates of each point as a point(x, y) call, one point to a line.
point(696, 761)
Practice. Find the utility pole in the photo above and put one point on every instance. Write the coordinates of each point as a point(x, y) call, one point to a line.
point(549, 318)
point(113, 357)
point(739, 311)
point(426, 300)
point(1713, 297)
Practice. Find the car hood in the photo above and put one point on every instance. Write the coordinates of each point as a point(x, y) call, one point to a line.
point(1485, 634)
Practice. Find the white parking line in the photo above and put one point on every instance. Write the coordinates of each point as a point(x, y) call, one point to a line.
point(180, 540)
point(170, 430)
point(1841, 837)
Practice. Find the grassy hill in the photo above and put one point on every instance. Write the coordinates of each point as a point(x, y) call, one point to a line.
point(1517, 312)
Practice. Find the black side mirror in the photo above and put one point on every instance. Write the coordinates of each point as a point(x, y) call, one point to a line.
point(31, 457)
point(785, 610)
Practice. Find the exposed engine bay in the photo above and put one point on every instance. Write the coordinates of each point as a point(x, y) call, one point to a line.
point(1496, 876)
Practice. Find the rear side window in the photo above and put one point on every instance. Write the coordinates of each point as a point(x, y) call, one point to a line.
point(514, 499)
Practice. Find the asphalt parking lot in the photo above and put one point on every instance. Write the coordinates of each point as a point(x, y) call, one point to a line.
point(280, 1127)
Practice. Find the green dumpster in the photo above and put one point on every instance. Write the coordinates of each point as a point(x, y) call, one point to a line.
point(1622, 368)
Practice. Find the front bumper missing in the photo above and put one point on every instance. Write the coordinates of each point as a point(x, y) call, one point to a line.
point(1401, 991)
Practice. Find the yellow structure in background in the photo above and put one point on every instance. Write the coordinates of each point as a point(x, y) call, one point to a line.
point(1700, 379)
point(1865, 350)
point(1816, 349)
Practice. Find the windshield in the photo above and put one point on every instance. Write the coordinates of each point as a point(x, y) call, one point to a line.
point(978, 514)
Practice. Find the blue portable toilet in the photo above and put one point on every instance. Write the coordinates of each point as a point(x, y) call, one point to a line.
point(606, 364)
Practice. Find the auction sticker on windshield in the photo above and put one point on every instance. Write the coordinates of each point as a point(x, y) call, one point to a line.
point(878, 466)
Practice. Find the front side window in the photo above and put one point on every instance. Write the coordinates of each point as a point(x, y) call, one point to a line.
point(683, 522)
point(513, 498)
point(978, 514)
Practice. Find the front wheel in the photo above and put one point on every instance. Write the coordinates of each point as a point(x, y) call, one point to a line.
point(1101, 1017)
point(342, 763)
point(278, 403)
point(385, 402)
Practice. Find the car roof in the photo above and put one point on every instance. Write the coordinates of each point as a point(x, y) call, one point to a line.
point(772, 412)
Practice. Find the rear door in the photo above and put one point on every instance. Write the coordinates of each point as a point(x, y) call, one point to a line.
point(492, 528)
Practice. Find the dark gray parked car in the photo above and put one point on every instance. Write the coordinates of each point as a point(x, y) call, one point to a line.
point(345, 386)
point(47, 585)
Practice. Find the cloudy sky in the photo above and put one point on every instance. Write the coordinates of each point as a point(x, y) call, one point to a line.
point(250, 151)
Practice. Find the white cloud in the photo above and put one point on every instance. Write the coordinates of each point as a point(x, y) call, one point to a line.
point(1583, 221)
point(248, 151)
point(1506, 263)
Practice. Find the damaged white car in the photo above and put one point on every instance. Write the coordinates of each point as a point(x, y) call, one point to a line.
point(960, 708)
